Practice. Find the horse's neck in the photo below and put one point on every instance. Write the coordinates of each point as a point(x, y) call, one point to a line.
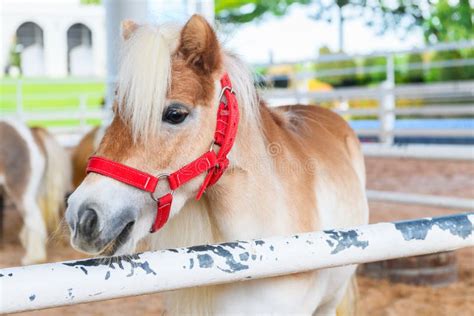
point(191, 226)
point(250, 200)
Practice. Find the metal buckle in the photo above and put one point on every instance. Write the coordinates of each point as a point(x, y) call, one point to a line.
point(161, 176)
point(212, 145)
point(221, 95)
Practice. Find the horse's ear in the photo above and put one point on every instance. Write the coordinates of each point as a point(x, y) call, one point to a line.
point(199, 45)
point(128, 27)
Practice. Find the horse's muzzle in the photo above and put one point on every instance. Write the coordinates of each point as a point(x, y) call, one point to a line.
point(92, 233)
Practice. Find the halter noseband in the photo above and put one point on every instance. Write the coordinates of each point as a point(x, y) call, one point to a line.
point(211, 162)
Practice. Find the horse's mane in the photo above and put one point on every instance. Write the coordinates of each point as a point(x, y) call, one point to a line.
point(145, 76)
point(243, 84)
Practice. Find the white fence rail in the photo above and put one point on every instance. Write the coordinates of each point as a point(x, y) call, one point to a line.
point(421, 199)
point(79, 114)
point(73, 282)
point(445, 90)
point(441, 47)
point(431, 152)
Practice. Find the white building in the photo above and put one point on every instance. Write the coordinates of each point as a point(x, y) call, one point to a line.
point(55, 38)
point(58, 38)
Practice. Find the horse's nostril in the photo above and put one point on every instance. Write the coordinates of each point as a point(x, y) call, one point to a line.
point(88, 222)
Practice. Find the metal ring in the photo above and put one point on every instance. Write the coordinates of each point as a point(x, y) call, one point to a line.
point(212, 145)
point(224, 89)
point(161, 176)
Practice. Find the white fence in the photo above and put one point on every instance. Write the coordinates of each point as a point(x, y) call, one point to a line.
point(446, 99)
point(386, 112)
point(73, 282)
point(457, 92)
point(73, 105)
point(421, 199)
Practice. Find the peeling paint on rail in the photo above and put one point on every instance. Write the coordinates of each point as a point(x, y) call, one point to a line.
point(458, 225)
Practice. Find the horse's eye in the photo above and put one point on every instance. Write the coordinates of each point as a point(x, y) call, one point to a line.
point(175, 114)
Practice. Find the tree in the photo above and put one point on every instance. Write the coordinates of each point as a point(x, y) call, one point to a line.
point(382, 15)
point(414, 75)
point(243, 11)
point(376, 70)
point(447, 73)
point(449, 21)
point(336, 80)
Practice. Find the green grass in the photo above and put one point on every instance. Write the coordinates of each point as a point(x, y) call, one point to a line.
point(41, 95)
point(63, 123)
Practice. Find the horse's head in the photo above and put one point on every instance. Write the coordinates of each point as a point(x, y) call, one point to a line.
point(165, 116)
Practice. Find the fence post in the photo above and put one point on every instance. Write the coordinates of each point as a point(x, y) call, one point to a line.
point(19, 99)
point(387, 104)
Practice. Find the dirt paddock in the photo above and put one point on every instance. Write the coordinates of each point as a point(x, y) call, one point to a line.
point(376, 297)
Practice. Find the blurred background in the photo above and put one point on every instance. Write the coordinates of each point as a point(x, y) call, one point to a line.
point(400, 71)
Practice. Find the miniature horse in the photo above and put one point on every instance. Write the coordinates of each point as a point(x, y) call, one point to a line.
point(291, 169)
point(35, 176)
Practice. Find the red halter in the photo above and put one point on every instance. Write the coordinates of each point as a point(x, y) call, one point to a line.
point(211, 162)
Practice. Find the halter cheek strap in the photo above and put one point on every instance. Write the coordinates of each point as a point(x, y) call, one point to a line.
point(211, 162)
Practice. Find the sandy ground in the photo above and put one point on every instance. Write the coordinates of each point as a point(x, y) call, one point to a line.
point(376, 297)
point(427, 177)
